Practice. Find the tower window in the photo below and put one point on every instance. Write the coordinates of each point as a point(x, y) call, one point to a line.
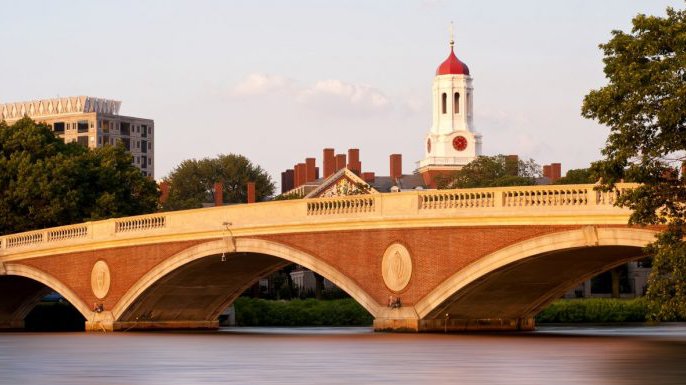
point(456, 103)
point(444, 102)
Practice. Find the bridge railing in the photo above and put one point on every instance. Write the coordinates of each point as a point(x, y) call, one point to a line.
point(570, 200)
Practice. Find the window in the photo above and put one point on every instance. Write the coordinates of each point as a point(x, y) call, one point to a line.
point(149, 145)
point(138, 144)
point(145, 131)
point(58, 127)
point(150, 161)
point(82, 140)
point(456, 103)
point(82, 126)
point(444, 100)
point(144, 146)
point(125, 128)
point(144, 161)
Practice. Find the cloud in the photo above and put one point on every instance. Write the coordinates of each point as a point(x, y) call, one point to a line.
point(259, 83)
point(335, 95)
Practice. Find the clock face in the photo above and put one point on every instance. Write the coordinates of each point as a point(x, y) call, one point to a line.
point(428, 145)
point(460, 143)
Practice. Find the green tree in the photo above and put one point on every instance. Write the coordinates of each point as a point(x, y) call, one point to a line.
point(45, 182)
point(192, 182)
point(492, 171)
point(577, 176)
point(643, 105)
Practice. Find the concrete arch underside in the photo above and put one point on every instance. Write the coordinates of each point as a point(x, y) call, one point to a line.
point(27, 286)
point(506, 289)
point(192, 288)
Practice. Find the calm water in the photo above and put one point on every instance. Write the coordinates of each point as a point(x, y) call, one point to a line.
point(561, 355)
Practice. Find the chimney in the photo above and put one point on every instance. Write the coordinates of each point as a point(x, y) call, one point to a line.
point(396, 166)
point(316, 173)
point(340, 161)
point(329, 162)
point(368, 177)
point(310, 169)
point(555, 171)
point(547, 171)
point(512, 165)
point(251, 192)
point(300, 174)
point(218, 194)
point(287, 180)
point(164, 191)
point(354, 164)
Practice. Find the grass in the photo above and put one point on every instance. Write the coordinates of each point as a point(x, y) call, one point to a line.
point(300, 312)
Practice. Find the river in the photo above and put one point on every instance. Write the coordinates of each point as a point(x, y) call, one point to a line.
point(551, 355)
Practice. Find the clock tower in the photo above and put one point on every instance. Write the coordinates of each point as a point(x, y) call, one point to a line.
point(451, 142)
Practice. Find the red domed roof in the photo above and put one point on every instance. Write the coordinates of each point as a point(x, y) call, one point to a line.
point(452, 66)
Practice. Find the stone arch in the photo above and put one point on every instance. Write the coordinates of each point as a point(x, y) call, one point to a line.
point(245, 245)
point(51, 282)
point(587, 236)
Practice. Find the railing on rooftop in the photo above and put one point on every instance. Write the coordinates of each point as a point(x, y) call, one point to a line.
point(501, 201)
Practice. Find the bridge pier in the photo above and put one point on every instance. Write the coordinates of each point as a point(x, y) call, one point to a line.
point(100, 322)
point(15, 324)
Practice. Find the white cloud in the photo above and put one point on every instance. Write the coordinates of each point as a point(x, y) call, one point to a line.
point(259, 83)
point(335, 95)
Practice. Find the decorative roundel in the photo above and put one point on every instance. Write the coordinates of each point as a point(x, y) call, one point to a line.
point(428, 145)
point(396, 267)
point(100, 279)
point(460, 143)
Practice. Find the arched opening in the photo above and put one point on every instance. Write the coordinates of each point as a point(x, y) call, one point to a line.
point(194, 287)
point(456, 103)
point(34, 306)
point(444, 102)
point(517, 282)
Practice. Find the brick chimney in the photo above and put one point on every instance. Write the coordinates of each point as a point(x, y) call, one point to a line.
point(396, 166)
point(354, 163)
point(310, 169)
point(164, 191)
point(218, 194)
point(300, 174)
point(251, 192)
point(547, 172)
point(287, 180)
point(329, 162)
point(512, 165)
point(368, 177)
point(555, 171)
point(340, 161)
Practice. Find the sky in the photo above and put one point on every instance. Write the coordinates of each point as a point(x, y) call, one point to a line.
point(278, 81)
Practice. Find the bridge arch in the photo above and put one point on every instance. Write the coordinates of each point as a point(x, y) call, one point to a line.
point(15, 269)
point(233, 247)
point(585, 238)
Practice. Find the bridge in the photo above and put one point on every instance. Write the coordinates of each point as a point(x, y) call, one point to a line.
point(471, 259)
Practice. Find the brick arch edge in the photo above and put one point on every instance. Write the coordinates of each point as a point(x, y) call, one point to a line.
point(584, 237)
point(246, 245)
point(51, 282)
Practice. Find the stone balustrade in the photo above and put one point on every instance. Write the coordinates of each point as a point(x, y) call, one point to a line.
point(574, 201)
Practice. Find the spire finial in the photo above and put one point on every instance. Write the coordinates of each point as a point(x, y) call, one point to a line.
point(452, 40)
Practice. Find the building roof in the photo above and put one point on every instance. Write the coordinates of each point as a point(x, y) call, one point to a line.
point(452, 65)
point(58, 106)
point(405, 182)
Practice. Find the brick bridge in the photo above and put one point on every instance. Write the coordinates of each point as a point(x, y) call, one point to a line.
point(486, 259)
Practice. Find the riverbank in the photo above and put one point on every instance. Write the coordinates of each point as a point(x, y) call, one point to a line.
point(594, 310)
point(300, 312)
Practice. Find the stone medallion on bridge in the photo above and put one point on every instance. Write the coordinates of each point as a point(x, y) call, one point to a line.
point(100, 279)
point(396, 267)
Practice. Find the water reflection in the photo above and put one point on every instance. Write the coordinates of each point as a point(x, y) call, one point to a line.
point(347, 355)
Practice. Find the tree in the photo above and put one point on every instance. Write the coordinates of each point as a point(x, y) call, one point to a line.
point(577, 176)
point(492, 171)
point(45, 182)
point(192, 182)
point(643, 106)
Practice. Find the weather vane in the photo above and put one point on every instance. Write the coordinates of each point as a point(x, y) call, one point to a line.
point(452, 41)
